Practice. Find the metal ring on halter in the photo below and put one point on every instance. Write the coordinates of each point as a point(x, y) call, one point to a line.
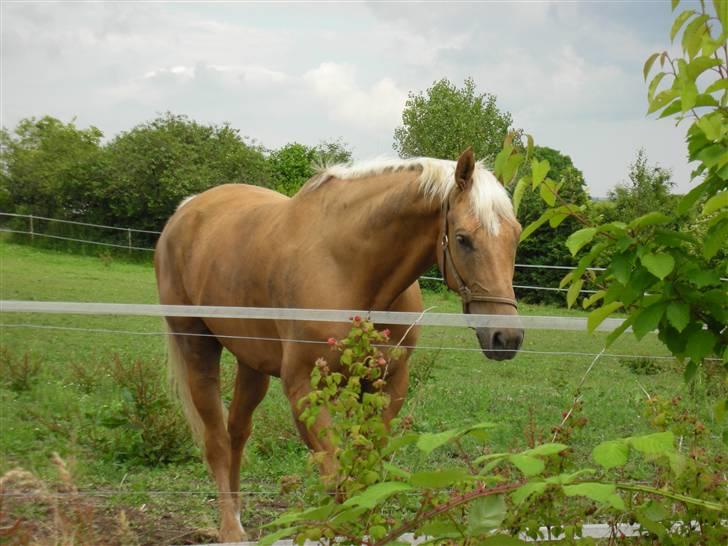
point(466, 294)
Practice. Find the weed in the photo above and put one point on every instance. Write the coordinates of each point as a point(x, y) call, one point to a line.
point(18, 374)
point(147, 428)
point(642, 366)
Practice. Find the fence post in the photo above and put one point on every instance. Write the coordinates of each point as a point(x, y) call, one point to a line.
point(128, 238)
point(32, 233)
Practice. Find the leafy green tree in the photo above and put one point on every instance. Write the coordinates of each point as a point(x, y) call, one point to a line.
point(445, 119)
point(49, 168)
point(648, 190)
point(295, 163)
point(157, 164)
point(547, 247)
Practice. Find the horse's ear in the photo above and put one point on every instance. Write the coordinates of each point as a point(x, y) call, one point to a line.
point(464, 169)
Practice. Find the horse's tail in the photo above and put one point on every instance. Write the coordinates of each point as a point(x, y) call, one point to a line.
point(177, 369)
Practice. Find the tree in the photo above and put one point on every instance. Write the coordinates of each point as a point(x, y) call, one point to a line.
point(295, 163)
point(547, 247)
point(48, 168)
point(648, 190)
point(154, 166)
point(444, 120)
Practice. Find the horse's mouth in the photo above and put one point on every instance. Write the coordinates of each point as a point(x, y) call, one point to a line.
point(500, 343)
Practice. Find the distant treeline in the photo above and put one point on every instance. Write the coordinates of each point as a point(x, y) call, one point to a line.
point(137, 179)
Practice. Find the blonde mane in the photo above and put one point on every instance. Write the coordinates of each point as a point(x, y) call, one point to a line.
point(489, 199)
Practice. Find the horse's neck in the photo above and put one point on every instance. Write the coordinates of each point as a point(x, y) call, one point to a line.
point(385, 235)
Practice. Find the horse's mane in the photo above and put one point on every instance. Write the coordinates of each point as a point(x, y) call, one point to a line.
point(489, 199)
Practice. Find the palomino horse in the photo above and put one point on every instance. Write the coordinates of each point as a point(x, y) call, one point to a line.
point(352, 238)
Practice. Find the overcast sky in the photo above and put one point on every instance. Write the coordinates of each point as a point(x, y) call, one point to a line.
point(570, 73)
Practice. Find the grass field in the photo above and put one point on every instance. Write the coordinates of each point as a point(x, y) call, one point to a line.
point(86, 395)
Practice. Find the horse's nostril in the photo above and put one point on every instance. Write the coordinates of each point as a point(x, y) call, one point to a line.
point(498, 341)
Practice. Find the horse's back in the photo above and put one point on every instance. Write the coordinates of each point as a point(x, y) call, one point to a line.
point(217, 223)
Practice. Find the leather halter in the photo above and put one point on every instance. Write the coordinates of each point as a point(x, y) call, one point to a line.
point(445, 262)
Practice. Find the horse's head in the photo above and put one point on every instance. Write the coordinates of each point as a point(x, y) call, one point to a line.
point(477, 254)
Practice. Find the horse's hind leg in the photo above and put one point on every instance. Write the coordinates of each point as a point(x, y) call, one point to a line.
point(250, 389)
point(195, 368)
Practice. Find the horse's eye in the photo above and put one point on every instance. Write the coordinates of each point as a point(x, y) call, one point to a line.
point(464, 242)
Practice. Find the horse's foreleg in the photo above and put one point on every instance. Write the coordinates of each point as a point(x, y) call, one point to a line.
point(250, 389)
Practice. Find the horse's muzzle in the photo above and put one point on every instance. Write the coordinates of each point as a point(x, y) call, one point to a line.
point(500, 343)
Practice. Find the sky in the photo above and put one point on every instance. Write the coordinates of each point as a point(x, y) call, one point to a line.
point(570, 73)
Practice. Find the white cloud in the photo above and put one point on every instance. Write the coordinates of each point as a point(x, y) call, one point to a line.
point(378, 107)
point(570, 73)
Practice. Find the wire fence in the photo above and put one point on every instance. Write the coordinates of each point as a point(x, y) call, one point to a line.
point(129, 245)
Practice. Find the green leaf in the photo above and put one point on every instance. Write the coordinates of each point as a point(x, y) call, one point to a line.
point(597, 316)
point(518, 192)
point(718, 85)
point(721, 10)
point(661, 100)
point(529, 466)
point(511, 167)
point(267, 540)
point(659, 443)
point(611, 454)
point(689, 96)
point(539, 170)
point(715, 239)
point(675, 3)
point(435, 479)
point(500, 160)
point(618, 331)
point(573, 292)
point(690, 370)
point(679, 22)
point(712, 126)
point(648, 64)
point(430, 441)
point(533, 226)
point(659, 264)
point(526, 490)
point(649, 219)
point(376, 493)
point(693, 35)
point(548, 191)
point(700, 344)
point(593, 298)
point(678, 314)
point(647, 319)
point(486, 514)
point(716, 202)
point(398, 442)
point(653, 85)
point(579, 238)
point(604, 493)
point(699, 65)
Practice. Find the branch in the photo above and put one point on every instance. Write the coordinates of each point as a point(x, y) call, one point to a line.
point(443, 508)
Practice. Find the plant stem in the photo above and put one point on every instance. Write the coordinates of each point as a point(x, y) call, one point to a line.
point(443, 508)
point(675, 496)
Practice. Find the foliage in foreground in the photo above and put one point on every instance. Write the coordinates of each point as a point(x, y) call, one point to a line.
point(485, 497)
point(665, 278)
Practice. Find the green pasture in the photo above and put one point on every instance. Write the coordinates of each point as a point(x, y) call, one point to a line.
point(66, 391)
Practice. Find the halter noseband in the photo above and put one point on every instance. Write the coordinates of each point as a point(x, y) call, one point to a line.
point(445, 261)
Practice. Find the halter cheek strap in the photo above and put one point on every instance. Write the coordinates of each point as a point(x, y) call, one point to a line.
point(446, 264)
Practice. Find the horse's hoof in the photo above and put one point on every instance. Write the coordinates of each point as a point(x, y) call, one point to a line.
point(233, 535)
